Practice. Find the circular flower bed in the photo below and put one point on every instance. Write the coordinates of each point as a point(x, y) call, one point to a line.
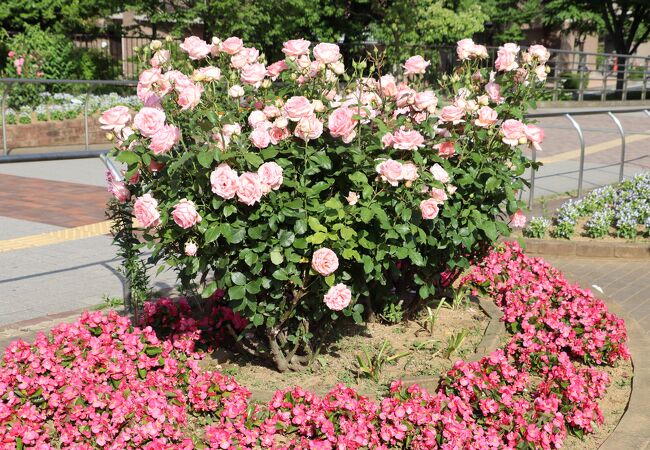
point(101, 382)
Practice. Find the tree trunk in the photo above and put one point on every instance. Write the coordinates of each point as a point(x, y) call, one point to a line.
point(620, 75)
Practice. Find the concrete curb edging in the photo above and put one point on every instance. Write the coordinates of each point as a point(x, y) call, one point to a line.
point(586, 249)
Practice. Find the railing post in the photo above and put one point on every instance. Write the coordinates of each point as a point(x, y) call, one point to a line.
point(622, 132)
point(86, 139)
point(531, 195)
point(603, 94)
point(581, 71)
point(3, 105)
point(644, 88)
point(625, 72)
point(582, 151)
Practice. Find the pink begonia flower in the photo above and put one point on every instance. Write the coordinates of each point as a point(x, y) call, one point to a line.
point(164, 139)
point(253, 74)
point(324, 261)
point(341, 124)
point(338, 297)
point(404, 139)
point(352, 198)
point(298, 107)
point(18, 64)
point(429, 208)
point(390, 171)
point(513, 132)
point(145, 210)
point(308, 128)
point(296, 47)
point(195, 47)
point(190, 97)
point(327, 53)
point(507, 58)
point(191, 248)
point(486, 117)
point(185, 214)
point(518, 219)
point(535, 135)
point(148, 121)
point(223, 181)
point(415, 65)
point(452, 114)
point(232, 45)
point(439, 173)
point(249, 188)
point(115, 118)
point(446, 149)
point(271, 177)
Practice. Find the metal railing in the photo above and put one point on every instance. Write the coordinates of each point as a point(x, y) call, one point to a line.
point(569, 115)
point(86, 153)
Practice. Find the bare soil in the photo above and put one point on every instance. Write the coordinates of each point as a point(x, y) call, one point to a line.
point(420, 353)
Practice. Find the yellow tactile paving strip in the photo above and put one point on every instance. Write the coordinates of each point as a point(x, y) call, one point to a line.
point(596, 148)
point(56, 237)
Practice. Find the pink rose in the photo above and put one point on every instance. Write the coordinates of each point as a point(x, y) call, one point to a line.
point(185, 214)
point(480, 52)
point(224, 181)
point(439, 195)
point(145, 209)
point(298, 107)
point(493, 91)
point(415, 65)
point(390, 171)
point(245, 57)
point(535, 135)
point(296, 47)
point(324, 261)
point(253, 73)
point(465, 49)
point(149, 121)
point(486, 117)
point(309, 127)
point(196, 47)
point(191, 248)
point(270, 174)
point(507, 58)
point(409, 172)
point(352, 198)
point(164, 139)
point(327, 53)
point(256, 117)
point(388, 86)
point(117, 188)
point(405, 96)
point(190, 97)
point(160, 58)
point(209, 73)
point(115, 119)
point(513, 131)
point(445, 149)
point(149, 76)
point(178, 79)
point(439, 173)
point(232, 45)
point(518, 219)
point(338, 297)
point(260, 137)
point(341, 124)
point(540, 53)
point(453, 114)
point(278, 134)
point(11, 53)
point(451, 189)
point(271, 111)
point(429, 208)
point(404, 139)
point(249, 188)
point(426, 101)
point(540, 71)
point(387, 140)
point(276, 69)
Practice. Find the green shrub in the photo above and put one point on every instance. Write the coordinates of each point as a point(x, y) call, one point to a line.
point(571, 80)
point(536, 228)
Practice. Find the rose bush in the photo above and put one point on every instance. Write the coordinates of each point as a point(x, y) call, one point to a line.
point(246, 173)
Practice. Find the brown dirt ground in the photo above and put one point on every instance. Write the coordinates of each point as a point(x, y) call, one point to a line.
point(339, 365)
point(579, 235)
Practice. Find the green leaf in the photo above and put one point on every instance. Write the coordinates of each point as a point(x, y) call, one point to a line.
point(209, 289)
point(286, 238)
point(300, 227)
point(366, 214)
point(236, 292)
point(128, 157)
point(281, 274)
point(212, 233)
point(258, 320)
point(316, 226)
point(330, 280)
point(205, 158)
point(347, 233)
point(238, 278)
point(276, 257)
point(237, 236)
point(317, 238)
point(491, 184)
point(229, 210)
point(424, 291)
point(253, 159)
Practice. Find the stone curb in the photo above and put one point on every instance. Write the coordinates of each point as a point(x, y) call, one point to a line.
point(632, 431)
point(490, 342)
point(586, 249)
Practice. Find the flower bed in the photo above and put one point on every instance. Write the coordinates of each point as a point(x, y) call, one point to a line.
point(102, 382)
point(615, 211)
